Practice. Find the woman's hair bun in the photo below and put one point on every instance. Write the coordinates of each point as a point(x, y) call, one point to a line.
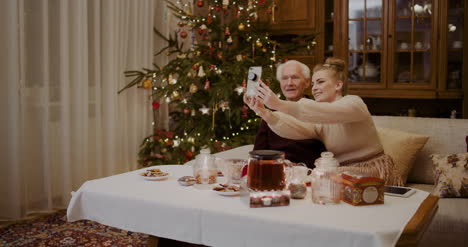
point(338, 63)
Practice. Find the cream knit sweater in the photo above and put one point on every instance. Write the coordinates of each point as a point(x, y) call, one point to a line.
point(345, 126)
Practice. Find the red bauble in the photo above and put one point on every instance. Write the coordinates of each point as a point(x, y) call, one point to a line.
point(183, 34)
point(156, 105)
point(200, 3)
point(217, 8)
point(186, 111)
point(200, 31)
point(261, 1)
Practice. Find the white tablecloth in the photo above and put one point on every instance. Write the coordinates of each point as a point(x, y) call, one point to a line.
point(166, 209)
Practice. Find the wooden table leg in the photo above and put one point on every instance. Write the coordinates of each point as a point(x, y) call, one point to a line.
point(153, 241)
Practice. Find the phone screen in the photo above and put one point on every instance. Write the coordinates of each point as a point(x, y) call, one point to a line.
point(396, 190)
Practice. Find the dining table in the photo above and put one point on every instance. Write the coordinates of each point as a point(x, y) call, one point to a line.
point(200, 215)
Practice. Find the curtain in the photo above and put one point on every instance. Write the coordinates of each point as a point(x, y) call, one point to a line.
point(62, 121)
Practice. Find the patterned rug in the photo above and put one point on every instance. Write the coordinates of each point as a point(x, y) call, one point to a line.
point(54, 230)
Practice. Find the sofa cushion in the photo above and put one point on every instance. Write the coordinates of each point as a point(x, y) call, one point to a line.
point(446, 136)
point(403, 148)
point(451, 175)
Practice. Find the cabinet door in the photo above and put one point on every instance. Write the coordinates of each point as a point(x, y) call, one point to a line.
point(294, 16)
point(412, 42)
point(366, 43)
point(451, 48)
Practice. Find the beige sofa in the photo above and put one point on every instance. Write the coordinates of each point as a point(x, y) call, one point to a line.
point(446, 136)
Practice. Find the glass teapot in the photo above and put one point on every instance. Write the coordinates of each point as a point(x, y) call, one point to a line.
point(268, 170)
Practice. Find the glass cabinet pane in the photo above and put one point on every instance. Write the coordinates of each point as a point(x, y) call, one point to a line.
point(365, 30)
point(329, 27)
point(455, 20)
point(413, 35)
point(355, 9)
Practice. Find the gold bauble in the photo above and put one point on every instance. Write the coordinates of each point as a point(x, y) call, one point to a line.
point(193, 88)
point(241, 27)
point(264, 49)
point(259, 43)
point(147, 84)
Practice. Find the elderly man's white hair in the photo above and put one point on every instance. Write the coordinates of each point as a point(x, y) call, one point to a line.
point(304, 69)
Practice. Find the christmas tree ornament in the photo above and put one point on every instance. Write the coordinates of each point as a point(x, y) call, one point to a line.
point(225, 3)
point(172, 79)
point(200, 31)
point(209, 19)
point(241, 27)
point(204, 110)
point(217, 8)
point(193, 113)
point(239, 58)
point(168, 100)
point(200, 3)
point(190, 74)
point(212, 67)
point(156, 105)
point(239, 90)
point(207, 84)
point(147, 84)
point(264, 49)
point(183, 34)
point(224, 105)
point(175, 94)
point(259, 43)
point(203, 27)
point(186, 110)
point(201, 72)
point(195, 66)
point(227, 32)
point(193, 88)
point(229, 40)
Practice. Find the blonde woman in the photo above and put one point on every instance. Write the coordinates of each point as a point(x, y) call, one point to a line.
point(342, 123)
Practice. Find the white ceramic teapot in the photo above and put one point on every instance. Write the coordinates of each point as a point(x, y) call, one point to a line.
point(371, 70)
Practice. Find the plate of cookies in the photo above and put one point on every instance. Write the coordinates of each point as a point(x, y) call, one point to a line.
point(154, 174)
point(227, 189)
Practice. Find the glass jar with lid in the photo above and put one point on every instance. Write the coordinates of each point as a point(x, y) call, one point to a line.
point(204, 169)
point(326, 188)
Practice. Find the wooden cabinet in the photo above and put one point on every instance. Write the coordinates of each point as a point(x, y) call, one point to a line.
point(293, 16)
point(402, 49)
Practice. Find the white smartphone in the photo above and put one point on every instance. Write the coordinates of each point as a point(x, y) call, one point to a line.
point(398, 191)
point(253, 78)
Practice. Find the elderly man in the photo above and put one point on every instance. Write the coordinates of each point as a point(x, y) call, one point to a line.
point(294, 78)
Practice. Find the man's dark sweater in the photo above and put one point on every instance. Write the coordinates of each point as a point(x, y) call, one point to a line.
point(306, 151)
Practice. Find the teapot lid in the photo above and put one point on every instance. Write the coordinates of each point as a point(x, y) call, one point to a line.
point(266, 154)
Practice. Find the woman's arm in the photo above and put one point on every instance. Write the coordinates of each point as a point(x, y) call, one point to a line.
point(347, 109)
point(290, 127)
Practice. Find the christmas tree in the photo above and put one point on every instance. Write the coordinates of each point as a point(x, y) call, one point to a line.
point(205, 81)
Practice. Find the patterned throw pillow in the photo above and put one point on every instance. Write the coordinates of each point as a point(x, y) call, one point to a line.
point(451, 175)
